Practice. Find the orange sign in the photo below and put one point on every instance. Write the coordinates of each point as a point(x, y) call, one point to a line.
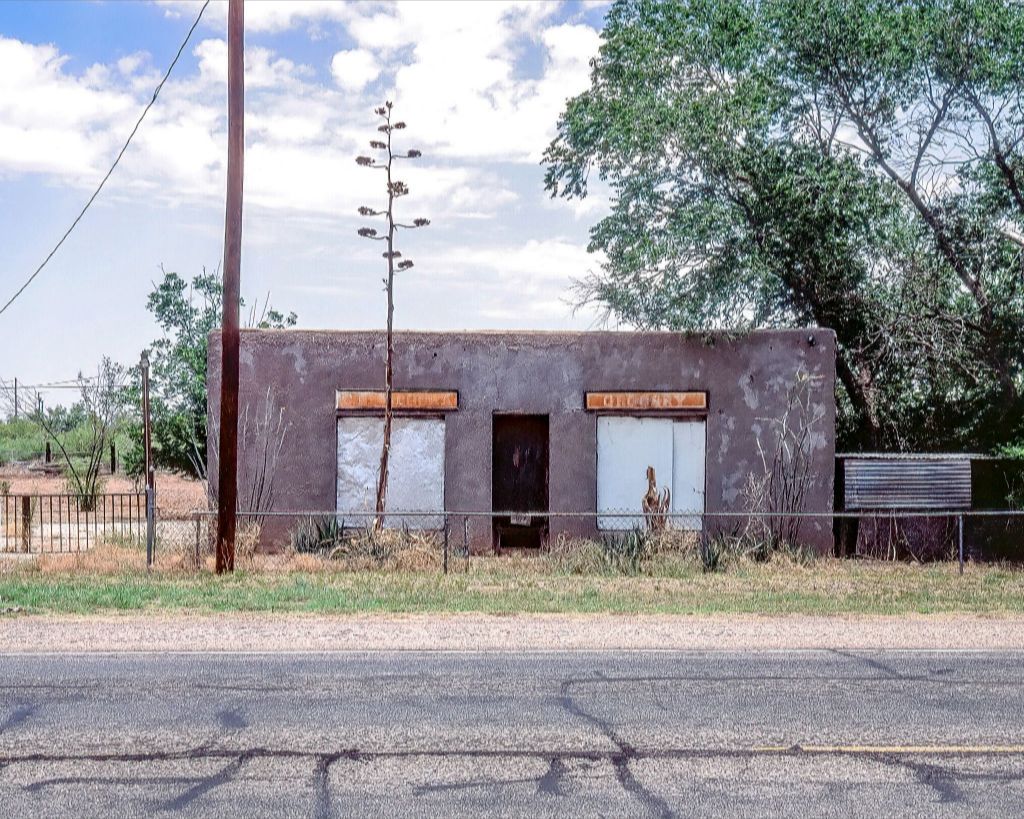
point(646, 401)
point(405, 400)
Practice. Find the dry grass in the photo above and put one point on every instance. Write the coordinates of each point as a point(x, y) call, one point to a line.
point(395, 572)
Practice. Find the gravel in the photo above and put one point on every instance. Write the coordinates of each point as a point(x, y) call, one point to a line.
point(477, 632)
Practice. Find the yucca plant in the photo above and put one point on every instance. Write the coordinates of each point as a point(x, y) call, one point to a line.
point(712, 552)
point(625, 553)
point(318, 536)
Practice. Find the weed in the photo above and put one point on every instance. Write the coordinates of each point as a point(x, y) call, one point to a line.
point(625, 553)
point(712, 553)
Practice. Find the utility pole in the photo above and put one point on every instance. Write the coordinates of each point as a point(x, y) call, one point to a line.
point(15, 399)
point(227, 484)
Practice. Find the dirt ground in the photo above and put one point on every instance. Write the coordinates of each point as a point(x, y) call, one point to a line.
point(526, 632)
point(175, 495)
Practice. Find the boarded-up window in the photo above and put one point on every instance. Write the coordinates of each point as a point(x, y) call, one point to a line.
point(415, 470)
point(626, 446)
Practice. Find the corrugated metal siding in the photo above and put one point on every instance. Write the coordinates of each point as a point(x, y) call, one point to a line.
point(907, 483)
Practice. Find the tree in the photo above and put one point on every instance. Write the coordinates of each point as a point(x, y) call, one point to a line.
point(825, 163)
point(395, 189)
point(82, 446)
point(187, 312)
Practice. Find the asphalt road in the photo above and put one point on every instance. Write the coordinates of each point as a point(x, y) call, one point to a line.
point(543, 734)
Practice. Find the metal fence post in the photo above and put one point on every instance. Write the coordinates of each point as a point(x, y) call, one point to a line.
point(199, 553)
point(150, 525)
point(960, 537)
point(26, 523)
point(446, 544)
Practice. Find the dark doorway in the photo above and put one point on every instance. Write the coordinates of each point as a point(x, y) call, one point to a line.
point(520, 481)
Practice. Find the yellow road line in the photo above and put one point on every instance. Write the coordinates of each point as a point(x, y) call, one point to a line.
point(890, 749)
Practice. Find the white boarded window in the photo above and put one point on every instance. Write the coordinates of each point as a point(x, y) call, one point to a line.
point(626, 446)
point(415, 468)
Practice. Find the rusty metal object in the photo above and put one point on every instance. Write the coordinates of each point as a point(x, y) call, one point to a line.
point(646, 401)
point(906, 482)
point(401, 400)
point(655, 504)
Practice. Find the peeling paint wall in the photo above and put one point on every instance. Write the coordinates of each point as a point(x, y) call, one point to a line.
point(415, 468)
point(626, 446)
point(747, 378)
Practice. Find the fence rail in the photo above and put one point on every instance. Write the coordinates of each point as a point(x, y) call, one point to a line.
point(36, 524)
point(958, 534)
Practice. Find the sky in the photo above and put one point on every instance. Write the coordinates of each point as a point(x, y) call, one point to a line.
point(480, 86)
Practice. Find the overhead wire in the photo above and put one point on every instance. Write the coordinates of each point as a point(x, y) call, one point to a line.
point(120, 154)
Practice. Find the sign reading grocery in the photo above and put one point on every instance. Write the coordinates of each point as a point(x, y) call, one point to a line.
point(401, 400)
point(646, 401)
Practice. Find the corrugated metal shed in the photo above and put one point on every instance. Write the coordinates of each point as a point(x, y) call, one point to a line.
point(907, 482)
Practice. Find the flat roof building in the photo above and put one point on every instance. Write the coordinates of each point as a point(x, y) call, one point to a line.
point(551, 432)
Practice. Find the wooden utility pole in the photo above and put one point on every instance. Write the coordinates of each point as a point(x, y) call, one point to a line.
point(227, 485)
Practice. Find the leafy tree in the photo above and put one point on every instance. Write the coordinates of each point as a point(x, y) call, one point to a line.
point(186, 312)
point(82, 434)
point(855, 165)
point(65, 419)
point(395, 189)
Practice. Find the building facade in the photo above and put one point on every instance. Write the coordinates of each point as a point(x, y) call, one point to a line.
point(533, 435)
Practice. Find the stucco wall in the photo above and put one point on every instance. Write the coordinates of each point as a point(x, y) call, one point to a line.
point(748, 379)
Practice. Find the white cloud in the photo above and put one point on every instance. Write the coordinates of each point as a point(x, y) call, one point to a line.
point(354, 69)
point(130, 64)
point(265, 15)
point(533, 265)
point(462, 87)
point(49, 121)
point(262, 69)
point(458, 77)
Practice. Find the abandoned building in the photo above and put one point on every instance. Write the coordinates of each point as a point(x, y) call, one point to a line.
point(556, 431)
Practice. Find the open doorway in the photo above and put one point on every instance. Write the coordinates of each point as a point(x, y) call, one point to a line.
point(519, 481)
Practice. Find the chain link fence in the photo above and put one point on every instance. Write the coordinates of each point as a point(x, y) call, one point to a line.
point(429, 540)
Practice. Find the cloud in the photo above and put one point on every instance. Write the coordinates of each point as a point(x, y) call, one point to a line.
point(533, 264)
point(263, 16)
point(354, 69)
point(480, 84)
point(462, 86)
point(130, 64)
point(51, 122)
point(262, 68)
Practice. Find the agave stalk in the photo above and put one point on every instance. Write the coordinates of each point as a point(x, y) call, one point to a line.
point(395, 190)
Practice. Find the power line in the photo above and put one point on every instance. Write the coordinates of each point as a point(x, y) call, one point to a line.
point(103, 182)
point(66, 382)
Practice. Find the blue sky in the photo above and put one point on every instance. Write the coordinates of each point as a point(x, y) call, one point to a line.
point(480, 85)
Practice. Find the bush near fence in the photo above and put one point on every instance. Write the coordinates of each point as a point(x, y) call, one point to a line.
point(347, 542)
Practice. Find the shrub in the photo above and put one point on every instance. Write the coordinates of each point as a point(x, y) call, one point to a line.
point(318, 536)
point(712, 553)
point(625, 553)
point(87, 497)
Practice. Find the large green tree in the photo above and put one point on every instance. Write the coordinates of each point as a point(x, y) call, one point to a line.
point(855, 165)
point(187, 312)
